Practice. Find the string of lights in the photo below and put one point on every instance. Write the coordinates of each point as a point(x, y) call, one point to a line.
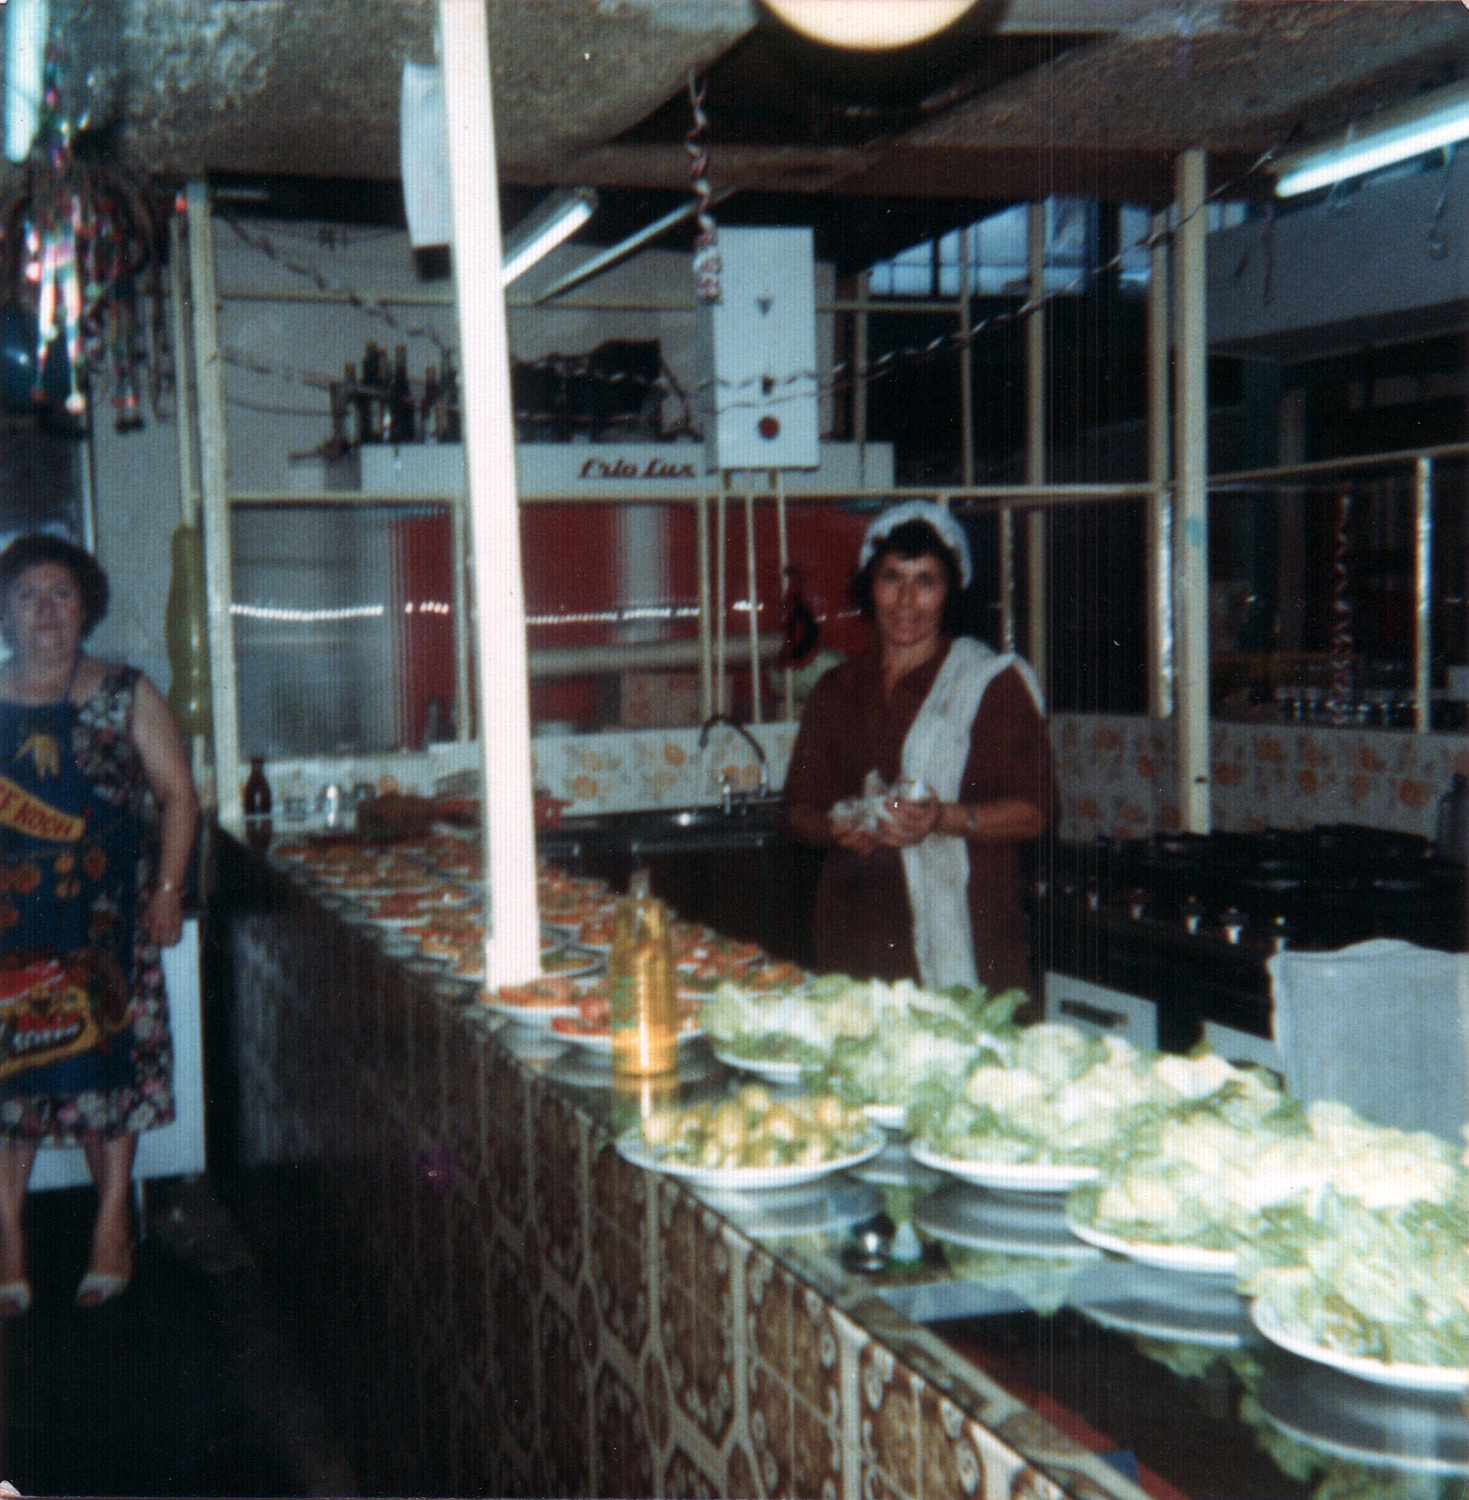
point(840, 378)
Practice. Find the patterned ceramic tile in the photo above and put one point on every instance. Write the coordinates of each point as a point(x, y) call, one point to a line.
point(739, 1476)
point(619, 1193)
point(814, 1373)
point(1118, 776)
point(950, 1460)
point(683, 1477)
point(624, 1459)
point(768, 1294)
point(889, 1417)
point(768, 1403)
point(816, 1454)
point(558, 1137)
point(616, 1267)
point(563, 1383)
point(512, 1348)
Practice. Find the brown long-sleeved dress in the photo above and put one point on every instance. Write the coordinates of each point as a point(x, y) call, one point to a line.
point(863, 924)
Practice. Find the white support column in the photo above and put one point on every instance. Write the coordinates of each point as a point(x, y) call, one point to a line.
point(512, 948)
point(213, 477)
point(1422, 590)
point(1037, 647)
point(1191, 498)
point(1160, 470)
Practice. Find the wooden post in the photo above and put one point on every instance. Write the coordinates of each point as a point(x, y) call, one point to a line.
point(706, 623)
point(1191, 502)
point(1036, 526)
point(512, 947)
point(213, 481)
point(1160, 466)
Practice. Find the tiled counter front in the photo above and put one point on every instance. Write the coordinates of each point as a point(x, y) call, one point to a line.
point(500, 1305)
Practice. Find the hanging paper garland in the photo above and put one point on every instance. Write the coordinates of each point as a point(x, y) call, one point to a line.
point(86, 240)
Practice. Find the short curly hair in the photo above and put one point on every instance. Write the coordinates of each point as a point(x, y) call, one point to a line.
point(39, 547)
point(910, 540)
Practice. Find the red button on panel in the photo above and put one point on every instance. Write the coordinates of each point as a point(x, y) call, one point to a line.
point(769, 427)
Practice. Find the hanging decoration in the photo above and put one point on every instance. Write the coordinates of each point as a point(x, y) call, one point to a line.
point(707, 262)
point(81, 245)
point(1339, 691)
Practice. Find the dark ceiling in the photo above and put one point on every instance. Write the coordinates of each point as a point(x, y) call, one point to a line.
point(1021, 99)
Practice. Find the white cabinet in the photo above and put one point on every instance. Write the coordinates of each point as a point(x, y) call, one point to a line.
point(1241, 1047)
point(1101, 1011)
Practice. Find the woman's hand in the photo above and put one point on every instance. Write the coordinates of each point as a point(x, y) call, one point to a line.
point(164, 919)
point(906, 823)
point(851, 835)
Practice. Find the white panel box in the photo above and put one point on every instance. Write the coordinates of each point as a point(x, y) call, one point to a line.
point(1099, 1011)
point(759, 354)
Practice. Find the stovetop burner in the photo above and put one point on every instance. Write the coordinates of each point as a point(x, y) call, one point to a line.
point(1199, 914)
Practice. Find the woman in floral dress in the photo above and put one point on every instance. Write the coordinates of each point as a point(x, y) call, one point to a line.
point(97, 822)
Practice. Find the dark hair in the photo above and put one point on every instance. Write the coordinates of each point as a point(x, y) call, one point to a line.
point(41, 547)
point(911, 540)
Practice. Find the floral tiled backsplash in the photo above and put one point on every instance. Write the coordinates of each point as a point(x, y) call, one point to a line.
point(1117, 774)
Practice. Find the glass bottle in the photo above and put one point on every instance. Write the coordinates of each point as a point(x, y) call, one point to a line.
point(401, 413)
point(453, 428)
point(258, 804)
point(642, 989)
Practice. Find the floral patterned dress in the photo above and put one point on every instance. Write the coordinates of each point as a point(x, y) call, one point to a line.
point(61, 893)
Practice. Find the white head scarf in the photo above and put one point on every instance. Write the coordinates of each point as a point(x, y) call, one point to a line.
point(949, 532)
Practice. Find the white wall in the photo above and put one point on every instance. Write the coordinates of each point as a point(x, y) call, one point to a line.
point(1363, 255)
point(136, 479)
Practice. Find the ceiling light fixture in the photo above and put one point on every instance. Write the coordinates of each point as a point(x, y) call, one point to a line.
point(1427, 123)
point(554, 219)
point(869, 25)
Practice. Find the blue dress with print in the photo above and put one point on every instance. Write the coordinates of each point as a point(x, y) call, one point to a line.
point(76, 866)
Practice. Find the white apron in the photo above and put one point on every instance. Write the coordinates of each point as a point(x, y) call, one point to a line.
point(935, 751)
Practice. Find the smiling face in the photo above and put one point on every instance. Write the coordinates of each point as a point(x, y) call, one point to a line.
point(43, 615)
point(908, 595)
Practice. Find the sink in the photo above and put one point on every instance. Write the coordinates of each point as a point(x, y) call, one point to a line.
point(750, 822)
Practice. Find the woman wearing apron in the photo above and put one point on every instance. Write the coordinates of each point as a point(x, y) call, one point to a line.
point(97, 823)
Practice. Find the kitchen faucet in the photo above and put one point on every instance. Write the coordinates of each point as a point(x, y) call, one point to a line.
point(755, 745)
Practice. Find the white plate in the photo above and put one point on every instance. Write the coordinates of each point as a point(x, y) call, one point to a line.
point(601, 1042)
point(1404, 1377)
point(771, 1072)
point(635, 1149)
point(889, 1116)
point(592, 963)
point(1165, 1257)
point(1000, 1223)
point(1015, 1177)
point(537, 1017)
point(808, 1208)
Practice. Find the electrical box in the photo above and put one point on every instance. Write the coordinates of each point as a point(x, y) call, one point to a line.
point(759, 354)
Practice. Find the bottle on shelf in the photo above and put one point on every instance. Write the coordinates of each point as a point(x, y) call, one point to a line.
point(258, 805)
point(374, 392)
point(453, 427)
point(428, 406)
point(402, 415)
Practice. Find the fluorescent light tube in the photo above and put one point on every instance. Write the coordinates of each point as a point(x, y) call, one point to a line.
point(1428, 123)
point(556, 218)
point(26, 24)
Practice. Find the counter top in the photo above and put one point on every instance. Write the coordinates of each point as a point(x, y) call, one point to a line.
point(984, 1359)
